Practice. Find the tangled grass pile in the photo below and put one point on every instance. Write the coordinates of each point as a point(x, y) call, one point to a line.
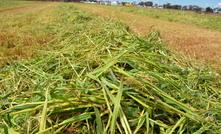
point(98, 77)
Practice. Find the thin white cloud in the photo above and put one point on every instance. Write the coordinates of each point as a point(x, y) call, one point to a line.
point(207, 4)
point(219, 4)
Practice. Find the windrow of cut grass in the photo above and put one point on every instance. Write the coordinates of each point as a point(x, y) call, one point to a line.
point(99, 77)
point(183, 17)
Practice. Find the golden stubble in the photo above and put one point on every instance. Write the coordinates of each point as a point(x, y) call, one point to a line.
point(21, 33)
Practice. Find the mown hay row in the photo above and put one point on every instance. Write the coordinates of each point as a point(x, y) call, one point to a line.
point(101, 78)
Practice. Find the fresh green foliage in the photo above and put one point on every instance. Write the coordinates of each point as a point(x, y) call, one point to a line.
point(205, 21)
point(100, 77)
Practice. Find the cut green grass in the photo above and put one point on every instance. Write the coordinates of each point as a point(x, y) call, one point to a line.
point(99, 77)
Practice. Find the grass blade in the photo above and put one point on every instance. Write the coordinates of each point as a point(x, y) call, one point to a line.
point(117, 107)
point(100, 129)
point(81, 117)
point(44, 113)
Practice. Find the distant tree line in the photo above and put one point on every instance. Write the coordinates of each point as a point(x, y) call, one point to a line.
point(150, 4)
point(169, 6)
point(190, 7)
point(209, 9)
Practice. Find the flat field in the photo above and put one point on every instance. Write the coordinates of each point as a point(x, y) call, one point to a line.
point(24, 29)
point(207, 21)
point(67, 70)
point(196, 35)
point(6, 5)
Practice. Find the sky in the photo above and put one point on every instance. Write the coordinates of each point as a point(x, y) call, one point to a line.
point(201, 3)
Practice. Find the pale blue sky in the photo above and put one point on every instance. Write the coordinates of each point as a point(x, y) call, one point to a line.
point(202, 3)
